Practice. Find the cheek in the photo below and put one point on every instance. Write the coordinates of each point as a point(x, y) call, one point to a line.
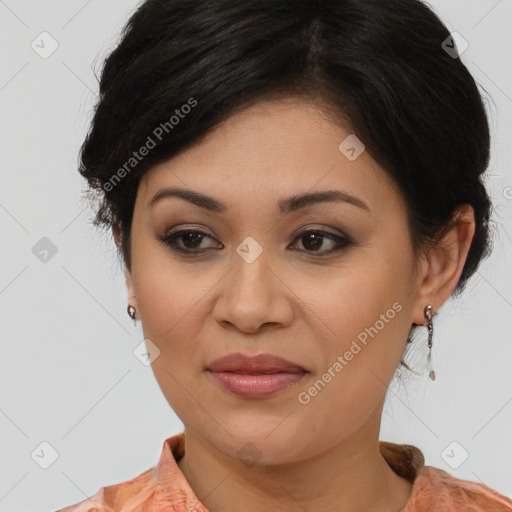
point(168, 292)
point(369, 323)
point(170, 301)
point(366, 311)
point(357, 297)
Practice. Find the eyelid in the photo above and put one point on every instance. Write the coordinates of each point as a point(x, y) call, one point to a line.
point(304, 229)
point(318, 227)
point(186, 227)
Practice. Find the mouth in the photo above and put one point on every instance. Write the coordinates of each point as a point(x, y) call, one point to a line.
point(257, 385)
point(258, 376)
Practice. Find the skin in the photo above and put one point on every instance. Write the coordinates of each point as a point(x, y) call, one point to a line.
point(291, 301)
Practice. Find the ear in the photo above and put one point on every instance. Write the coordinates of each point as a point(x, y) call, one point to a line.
point(116, 232)
point(442, 264)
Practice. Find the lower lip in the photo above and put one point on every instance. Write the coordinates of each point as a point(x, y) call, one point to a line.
point(256, 386)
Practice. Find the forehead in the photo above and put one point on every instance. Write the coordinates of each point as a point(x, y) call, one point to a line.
point(281, 146)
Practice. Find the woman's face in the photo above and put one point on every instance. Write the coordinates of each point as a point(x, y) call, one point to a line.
point(338, 304)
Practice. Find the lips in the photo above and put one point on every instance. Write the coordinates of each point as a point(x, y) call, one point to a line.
point(254, 365)
point(258, 376)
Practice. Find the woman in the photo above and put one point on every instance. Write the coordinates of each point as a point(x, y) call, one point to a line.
point(295, 187)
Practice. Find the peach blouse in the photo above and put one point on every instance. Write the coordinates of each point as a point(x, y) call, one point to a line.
point(164, 487)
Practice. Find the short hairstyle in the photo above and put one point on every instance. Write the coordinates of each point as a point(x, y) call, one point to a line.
point(382, 67)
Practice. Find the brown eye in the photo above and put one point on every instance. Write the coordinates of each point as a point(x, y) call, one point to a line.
point(191, 241)
point(314, 240)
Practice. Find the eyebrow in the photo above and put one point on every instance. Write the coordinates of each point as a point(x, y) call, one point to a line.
point(288, 205)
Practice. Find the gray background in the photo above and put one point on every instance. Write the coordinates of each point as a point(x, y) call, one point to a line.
point(68, 376)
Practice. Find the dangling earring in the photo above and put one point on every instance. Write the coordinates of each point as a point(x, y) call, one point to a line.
point(131, 311)
point(429, 315)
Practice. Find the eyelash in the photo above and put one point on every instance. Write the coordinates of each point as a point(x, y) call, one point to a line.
point(169, 240)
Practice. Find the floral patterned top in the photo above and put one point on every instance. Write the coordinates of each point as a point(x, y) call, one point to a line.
point(164, 487)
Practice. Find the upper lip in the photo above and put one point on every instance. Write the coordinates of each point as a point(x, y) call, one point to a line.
point(261, 363)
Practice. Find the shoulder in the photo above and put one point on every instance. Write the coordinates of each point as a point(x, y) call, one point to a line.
point(162, 487)
point(127, 496)
point(436, 489)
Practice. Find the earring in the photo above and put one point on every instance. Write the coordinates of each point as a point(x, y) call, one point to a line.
point(429, 315)
point(131, 311)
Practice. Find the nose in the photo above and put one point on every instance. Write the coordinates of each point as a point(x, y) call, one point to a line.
point(254, 296)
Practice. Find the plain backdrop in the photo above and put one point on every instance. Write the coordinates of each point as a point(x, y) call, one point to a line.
point(72, 394)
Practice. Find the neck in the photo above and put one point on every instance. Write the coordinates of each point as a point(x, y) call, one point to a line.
point(352, 475)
